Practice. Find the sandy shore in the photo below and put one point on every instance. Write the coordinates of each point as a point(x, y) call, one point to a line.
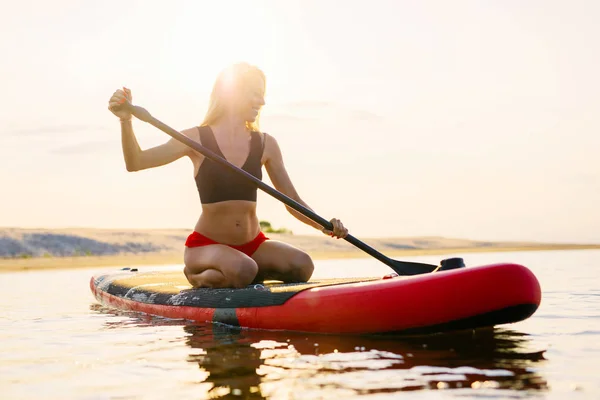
point(176, 258)
point(54, 248)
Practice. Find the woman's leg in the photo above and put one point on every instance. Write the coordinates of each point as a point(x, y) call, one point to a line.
point(218, 266)
point(281, 261)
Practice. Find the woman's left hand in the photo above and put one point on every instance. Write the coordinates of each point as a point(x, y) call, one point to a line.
point(338, 229)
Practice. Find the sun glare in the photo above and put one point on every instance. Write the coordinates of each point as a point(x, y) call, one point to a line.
point(205, 45)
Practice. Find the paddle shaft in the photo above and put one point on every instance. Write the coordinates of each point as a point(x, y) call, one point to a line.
point(400, 267)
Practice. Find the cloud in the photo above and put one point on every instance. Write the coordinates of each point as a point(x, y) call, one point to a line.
point(364, 115)
point(84, 148)
point(53, 129)
point(309, 109)
point(287, 118)
point(309, 104)
point(585, 178)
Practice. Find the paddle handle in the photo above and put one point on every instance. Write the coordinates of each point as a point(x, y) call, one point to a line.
point(400, 267)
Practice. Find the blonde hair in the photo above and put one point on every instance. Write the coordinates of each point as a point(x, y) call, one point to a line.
point(232, 78)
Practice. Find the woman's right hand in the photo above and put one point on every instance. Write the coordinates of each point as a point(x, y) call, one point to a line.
point(339, 231)
point(118, 98)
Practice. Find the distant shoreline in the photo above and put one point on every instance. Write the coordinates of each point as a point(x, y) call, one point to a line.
point(176, 258)
point(23, 249)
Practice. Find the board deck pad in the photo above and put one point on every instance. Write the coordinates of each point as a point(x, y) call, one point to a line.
point(172, 288)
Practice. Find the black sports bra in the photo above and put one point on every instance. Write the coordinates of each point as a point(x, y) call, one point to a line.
point(217, 183)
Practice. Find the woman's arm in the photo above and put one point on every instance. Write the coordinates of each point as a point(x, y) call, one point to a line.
point(137, 159)
point(273, 160)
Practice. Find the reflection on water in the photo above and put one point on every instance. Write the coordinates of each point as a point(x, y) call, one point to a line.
point(263, 364)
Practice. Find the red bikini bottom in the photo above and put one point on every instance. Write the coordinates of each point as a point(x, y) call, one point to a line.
point(197, 240)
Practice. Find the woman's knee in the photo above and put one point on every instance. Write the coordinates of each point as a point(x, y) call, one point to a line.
point(239, 275)
point(301, 266)
point(243, 273)
point(232, 269)
point(208, 278)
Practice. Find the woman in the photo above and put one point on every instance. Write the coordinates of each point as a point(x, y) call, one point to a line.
point(227, 247)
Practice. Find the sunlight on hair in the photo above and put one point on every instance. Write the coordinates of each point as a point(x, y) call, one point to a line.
point(227, 81)
point(235, 77)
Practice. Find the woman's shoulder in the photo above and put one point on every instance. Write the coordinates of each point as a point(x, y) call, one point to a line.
point(267, 139)
point(194, 134)
point(194, 131)
point(264, 135)
point(270, 146)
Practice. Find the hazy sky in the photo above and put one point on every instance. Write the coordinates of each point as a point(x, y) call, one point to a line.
point(473, 119)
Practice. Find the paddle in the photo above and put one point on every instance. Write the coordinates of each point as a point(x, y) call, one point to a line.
point(400, 267)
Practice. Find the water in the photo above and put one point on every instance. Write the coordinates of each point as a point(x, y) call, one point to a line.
point(57, 342)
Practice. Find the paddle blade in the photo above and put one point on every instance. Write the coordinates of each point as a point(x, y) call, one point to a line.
point(412, 268)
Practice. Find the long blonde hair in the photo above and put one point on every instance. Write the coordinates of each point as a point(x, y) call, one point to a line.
point(232, 78)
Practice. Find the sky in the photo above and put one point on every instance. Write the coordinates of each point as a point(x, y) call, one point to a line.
point(465, 119)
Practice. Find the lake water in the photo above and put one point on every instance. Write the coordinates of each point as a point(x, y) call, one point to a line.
point(57, 342)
